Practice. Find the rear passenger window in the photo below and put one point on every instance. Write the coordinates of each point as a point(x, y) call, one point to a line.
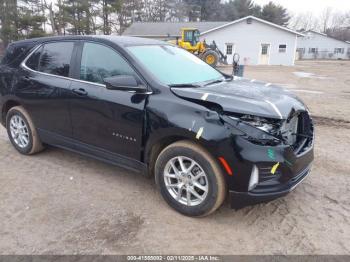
point(99, 62)
point(55, 58)
point(33, 60)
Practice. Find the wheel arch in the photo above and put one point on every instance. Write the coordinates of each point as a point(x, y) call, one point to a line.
point(158, 143)
point(6, 107)
point(153, 149)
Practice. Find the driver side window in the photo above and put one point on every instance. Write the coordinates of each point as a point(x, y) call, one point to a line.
point(99, 62)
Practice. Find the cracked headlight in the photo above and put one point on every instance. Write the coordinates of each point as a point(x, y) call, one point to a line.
point(257, 130)
point(268, 126)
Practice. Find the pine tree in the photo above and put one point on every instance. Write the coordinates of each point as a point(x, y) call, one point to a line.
point(243, 7)
point(193, 9)
point(30, 19)
point(77, 14)
point(8, 19)
point(129, 12)
point(176, 10)
point(21, 19)
point(109, 7)
point(211, 10)
point(275, 14)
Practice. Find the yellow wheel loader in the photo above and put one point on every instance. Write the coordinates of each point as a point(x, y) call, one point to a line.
point(208, 53)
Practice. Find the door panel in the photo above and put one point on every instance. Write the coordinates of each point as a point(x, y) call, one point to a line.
point(229, 52)
point(264, 54)
point(108, 119)
point(45, 98)
point(44, 88)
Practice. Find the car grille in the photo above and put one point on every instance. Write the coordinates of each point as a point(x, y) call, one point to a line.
point(298, 132)
point(304, 134)
point(301, 139)
point(268, 182)
point(266, 175)
point(290, 129)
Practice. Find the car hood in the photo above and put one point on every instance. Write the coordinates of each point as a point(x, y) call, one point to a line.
point(245, 96)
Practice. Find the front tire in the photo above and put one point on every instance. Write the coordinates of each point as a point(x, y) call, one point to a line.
point(22, 132)
point(189, 179)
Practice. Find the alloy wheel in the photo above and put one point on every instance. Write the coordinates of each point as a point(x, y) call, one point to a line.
point(19, 131)
point(186, 181)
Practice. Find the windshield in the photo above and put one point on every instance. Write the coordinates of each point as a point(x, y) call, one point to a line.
point(174, 66)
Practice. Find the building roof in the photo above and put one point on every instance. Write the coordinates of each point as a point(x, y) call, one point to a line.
point(167, 28)
point(164, 29)
point(325, 35)
point(256, 19)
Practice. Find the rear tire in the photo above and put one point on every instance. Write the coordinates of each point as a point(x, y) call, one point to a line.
point(22, 132)
point(211, 58)
point(204, 180)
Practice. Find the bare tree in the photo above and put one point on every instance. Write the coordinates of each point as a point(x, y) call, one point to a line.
point(326, 19)
point(340, 26)
point(49, 7)
point(304, 21)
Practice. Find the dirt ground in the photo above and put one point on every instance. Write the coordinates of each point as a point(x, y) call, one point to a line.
point(59, 202)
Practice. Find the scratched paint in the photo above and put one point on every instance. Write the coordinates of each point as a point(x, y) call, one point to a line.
point(199, 133)
point(205, 96)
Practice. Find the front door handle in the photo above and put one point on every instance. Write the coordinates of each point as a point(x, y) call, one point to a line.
point(80, 91)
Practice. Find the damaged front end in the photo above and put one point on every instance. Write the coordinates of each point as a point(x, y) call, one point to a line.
point(278, 151)
point(295, 131)
point(269, 142)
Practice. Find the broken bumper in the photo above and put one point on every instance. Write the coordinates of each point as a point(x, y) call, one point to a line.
point(260, 195)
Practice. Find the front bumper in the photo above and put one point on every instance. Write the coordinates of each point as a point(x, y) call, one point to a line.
point(262, 173)
point(256, 196)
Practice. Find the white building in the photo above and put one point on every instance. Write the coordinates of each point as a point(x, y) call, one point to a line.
point(316, 45)
point(255, 40)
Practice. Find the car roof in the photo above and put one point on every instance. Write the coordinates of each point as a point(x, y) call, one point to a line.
point(118, 40)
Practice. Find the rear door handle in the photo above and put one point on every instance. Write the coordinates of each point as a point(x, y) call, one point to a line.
point(80, 91)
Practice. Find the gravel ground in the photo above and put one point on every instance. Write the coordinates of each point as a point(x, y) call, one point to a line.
point(59, 202)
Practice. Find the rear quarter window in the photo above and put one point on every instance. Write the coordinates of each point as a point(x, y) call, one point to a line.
point(15, 54)
point(33, 61)
point(55, 58)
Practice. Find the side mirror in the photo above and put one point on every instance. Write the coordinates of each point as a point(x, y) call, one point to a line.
point(123, 83)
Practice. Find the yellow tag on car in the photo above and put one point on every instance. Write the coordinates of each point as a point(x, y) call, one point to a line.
point(274, 168)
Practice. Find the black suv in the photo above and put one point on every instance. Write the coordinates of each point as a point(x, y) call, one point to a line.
point(156, 109)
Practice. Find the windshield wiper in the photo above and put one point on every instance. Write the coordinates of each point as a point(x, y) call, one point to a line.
point(185, 85)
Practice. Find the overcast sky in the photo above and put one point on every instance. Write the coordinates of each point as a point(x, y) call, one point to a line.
point(314, 6)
